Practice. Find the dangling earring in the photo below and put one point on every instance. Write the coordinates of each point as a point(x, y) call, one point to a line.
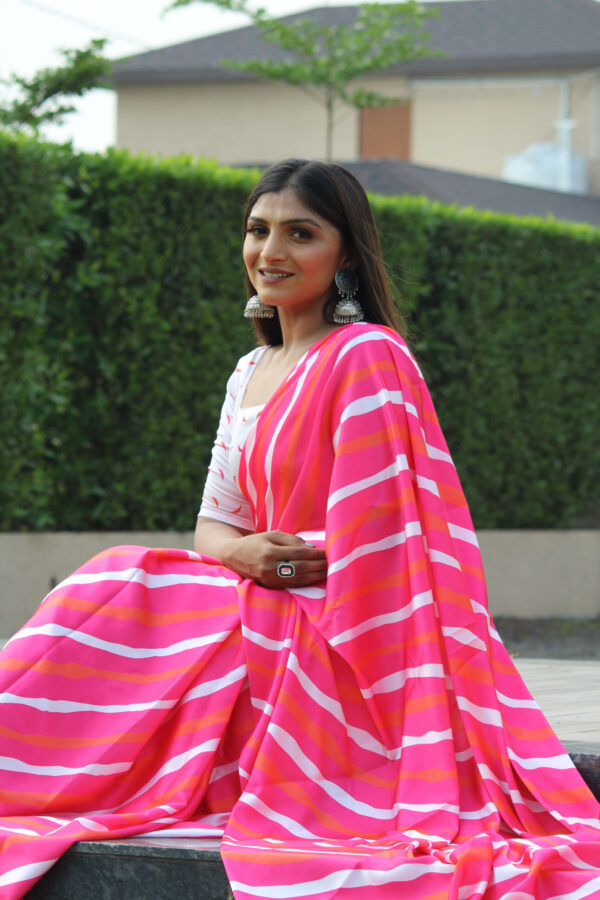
point(347, 309)
point(256, 309)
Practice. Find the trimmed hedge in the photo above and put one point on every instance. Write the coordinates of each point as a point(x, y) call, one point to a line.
point(121, 294)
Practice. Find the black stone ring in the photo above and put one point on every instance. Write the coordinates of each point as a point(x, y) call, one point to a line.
point(286, 569)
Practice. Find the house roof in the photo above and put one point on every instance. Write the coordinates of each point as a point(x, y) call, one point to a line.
point(475, 37)
point(393, 178)
point(396, 177)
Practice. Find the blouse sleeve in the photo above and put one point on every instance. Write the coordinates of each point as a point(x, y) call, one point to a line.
point(222, 498)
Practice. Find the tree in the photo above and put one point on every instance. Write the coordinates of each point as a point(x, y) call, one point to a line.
point(327, 59)
point(44, 98)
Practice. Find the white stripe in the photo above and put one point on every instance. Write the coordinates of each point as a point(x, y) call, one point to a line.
point(262, 705)
point(361, 737)
point(91, 825)
point(463, 636)
point(488, 809)
point(8, 764)
point(436, 453)
point(367, 404)
point(503, 873)
point(268, 643)
point(286, 821)
point(311, 593)
point(439, 557)
point(206, 688)
point(70, 706)
point(25, 873)
point(140, 576)
point(483, 611)
point(481, 713)
point(515, 702)
point(397, 680)
point(487, 774)
point(311, 535)
point(563, 761)
point(379, 336)
point(291, 746)
point(89, 640)
point(463, 755)
point(222, 772)
point(428, 484)
point(346, 878)
point(172, 765)
point(471, 890)
point(412, 529)
point(415, 603)
point(463, 534)
point(400, 464)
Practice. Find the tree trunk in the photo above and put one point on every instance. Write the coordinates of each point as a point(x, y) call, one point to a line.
point(329, 124)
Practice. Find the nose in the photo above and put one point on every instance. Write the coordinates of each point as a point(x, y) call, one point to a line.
point(273, 248)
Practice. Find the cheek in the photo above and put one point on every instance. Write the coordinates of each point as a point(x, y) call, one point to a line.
point(248, 254)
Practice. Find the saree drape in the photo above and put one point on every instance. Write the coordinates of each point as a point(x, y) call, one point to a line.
point(365, 738)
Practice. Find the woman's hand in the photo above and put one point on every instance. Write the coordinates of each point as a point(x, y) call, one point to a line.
point(257, 556)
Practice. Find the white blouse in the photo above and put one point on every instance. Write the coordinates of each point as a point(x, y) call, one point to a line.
point(222, 498)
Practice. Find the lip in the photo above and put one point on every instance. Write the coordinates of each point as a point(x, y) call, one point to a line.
point(274, 276)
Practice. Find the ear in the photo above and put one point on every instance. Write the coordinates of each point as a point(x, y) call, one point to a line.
point(347, 259)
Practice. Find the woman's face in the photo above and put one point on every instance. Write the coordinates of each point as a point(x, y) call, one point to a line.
point(291, 253)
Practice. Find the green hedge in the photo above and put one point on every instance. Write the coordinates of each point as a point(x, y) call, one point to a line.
point(121, 294)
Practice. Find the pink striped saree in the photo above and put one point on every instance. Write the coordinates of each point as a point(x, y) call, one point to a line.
point(366, 738)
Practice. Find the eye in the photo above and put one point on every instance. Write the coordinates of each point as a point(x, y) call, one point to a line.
point(301, 234)
point(256, 229)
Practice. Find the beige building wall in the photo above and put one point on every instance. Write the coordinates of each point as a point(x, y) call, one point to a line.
point(469, 125)
point(473, 125)
point(233, 123)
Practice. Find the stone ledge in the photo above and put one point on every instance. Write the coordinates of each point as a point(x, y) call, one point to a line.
point(181, 868)
point(136, 869)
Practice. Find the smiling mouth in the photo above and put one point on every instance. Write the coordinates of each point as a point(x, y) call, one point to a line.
point(274, 276)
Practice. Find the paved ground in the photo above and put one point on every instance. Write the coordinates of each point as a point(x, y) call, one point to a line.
point(568, 691)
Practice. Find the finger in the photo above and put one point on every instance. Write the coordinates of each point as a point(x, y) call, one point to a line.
point(302, 553)
point(283, 539)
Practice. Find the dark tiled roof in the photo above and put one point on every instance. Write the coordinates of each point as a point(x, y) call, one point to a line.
point(393, 178)
point(475, 36)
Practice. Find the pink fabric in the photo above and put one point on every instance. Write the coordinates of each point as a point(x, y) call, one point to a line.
point(368, 737)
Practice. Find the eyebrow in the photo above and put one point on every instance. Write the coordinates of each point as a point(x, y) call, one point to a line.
point(287, 221)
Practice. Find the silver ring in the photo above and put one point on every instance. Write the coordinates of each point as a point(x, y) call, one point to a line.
point(286, 569)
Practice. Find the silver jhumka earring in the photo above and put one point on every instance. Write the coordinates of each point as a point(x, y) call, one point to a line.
point(347, 309)
point(256, 309)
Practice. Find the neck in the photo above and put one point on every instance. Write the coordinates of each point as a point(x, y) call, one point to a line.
point(302, 331)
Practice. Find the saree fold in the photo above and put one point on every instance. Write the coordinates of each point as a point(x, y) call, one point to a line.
point(368, 737)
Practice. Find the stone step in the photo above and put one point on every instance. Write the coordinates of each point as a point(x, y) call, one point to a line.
point(180, 868)
point(137, 869)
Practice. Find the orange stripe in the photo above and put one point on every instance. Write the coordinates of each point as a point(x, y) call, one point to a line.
point(143, 616)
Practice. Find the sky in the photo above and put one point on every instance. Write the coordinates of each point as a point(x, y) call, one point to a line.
point(32, 32)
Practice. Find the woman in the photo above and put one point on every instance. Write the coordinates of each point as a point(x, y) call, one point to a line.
point(320, 682)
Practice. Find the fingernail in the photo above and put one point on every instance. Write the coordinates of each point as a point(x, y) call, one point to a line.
point(310, 545)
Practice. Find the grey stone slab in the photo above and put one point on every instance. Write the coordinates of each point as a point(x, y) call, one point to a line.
point(131, 869)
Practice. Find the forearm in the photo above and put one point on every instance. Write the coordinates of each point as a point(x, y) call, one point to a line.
point(257, 556)
point(213, 538)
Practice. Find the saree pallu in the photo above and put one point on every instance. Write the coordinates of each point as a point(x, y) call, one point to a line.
point(368, 737)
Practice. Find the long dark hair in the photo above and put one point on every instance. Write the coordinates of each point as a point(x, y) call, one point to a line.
point(334, 194)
